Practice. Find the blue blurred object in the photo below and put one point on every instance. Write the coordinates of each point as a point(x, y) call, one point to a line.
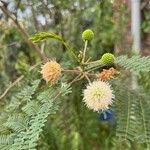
point(106, 115)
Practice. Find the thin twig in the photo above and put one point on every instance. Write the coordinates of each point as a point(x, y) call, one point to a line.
point(87, 77)
point(23, 32)
point(36, 24)
point(88, 60)
point(75, 79)
point(13, 84)
point(78, 72)
point(71, 71)
point(16, 81)
point(43, 47)
point(92, 62)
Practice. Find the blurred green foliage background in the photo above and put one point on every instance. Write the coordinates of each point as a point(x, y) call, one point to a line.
point(74, 126)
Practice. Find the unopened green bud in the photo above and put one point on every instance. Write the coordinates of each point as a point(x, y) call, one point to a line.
point(87, 35)
point(108, 59)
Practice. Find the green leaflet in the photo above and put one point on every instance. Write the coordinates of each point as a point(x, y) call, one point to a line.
point(28, 124)
point(132, 115)
point(135, 63)
point(23, 96)
point(45, 35)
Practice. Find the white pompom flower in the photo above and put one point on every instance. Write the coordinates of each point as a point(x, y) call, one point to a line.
point(98, 95)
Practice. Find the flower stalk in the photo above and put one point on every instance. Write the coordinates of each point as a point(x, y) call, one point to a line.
point(84, 51)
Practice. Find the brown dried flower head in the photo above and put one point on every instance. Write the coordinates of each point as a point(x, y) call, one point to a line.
point(107, 74)
point(51, 71)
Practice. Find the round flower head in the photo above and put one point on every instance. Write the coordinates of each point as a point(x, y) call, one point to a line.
point(107, 74)
point(87, 35)
point(98, 95)
point(51, 71)
point(108, 58)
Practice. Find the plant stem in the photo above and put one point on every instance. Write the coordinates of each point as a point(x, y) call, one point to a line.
point(23, 32)
point(77, 78)
point(84, 51)
point(78, 72)
point(92, 62)
point(16, 81)
point(87, 78)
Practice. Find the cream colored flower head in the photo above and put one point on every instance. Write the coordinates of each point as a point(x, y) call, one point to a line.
point(51, 71)
point(98, 95)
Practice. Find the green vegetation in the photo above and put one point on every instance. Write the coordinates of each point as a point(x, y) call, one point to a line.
point(38, 115)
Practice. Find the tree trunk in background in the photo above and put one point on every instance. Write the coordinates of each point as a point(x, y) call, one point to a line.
point(121, 9)
point(145, 7)
point(122, 19)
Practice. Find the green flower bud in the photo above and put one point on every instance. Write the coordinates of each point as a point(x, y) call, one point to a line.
point(108, 59)
point(87, 35)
